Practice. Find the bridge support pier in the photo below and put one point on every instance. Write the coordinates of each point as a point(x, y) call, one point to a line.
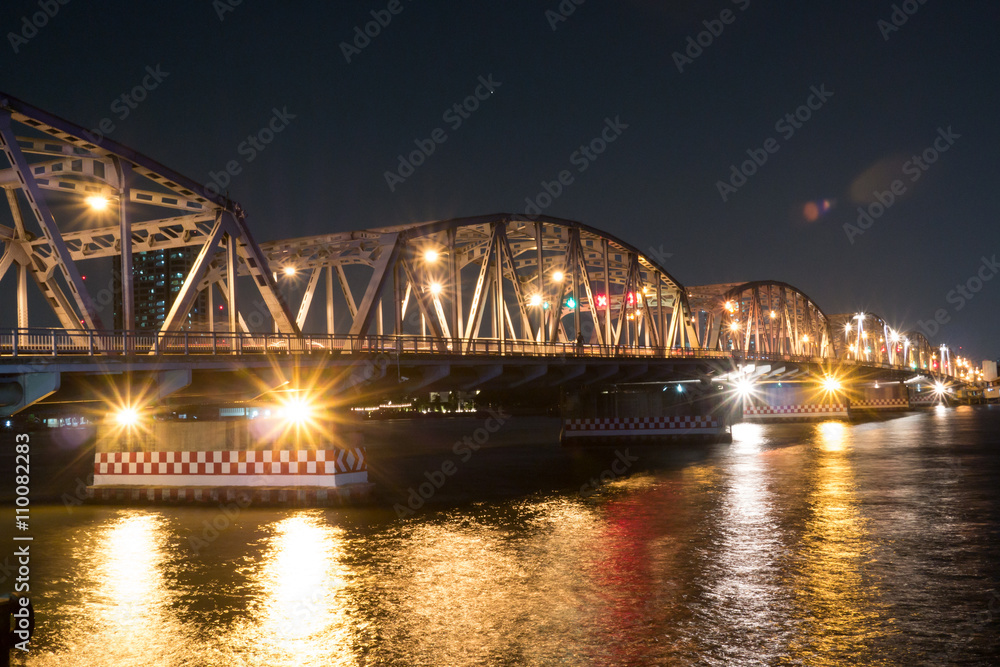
point(649, 413)
point(258, 461)
point(923, 395)
point(787, 401)
point(879, 398)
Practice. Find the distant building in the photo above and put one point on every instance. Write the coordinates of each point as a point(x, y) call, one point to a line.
point(157, 278)
point(989, 371)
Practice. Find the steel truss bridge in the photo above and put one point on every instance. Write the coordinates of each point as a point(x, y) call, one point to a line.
point(502, 295)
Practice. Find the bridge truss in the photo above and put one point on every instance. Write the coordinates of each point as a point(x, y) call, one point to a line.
point(497, 283)
point(57, 175)
point(761, 319)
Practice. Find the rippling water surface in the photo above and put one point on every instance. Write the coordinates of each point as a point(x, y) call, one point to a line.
point(823, 544)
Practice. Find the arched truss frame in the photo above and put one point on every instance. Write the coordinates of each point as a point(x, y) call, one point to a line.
point(54, 166)
point(919, 351)
point(761, 319)
point(504, 277)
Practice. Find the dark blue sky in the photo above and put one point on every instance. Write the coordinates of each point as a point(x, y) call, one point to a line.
point(656, 185)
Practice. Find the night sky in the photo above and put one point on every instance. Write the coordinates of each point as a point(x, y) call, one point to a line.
point(684, 114)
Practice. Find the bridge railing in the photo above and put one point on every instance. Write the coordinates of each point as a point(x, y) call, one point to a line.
point(63, 343)
point(59, 342)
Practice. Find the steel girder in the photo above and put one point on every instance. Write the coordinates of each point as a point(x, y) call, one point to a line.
point(54, 165)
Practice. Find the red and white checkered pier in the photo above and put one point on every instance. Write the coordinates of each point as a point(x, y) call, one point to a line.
point(176, 462)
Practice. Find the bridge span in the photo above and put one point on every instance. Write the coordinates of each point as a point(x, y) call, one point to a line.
point(501, 302)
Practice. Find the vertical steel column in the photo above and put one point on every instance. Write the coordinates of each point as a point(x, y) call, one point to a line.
point(124, 172)
point(607, 294)
point(211, 308)
point(397, 298)
point(456, 291)
point(22, 296)
point(539, 259)
point(231, 281)
point(501, 306)
point(574, 239)
point(661, 322)
point(329, 301)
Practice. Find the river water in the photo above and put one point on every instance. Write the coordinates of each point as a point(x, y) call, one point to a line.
point(800, 544)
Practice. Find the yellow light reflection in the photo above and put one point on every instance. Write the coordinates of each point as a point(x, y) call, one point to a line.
point(304, 618)
point(744, 575)
point(128, 603)
point(838, 606)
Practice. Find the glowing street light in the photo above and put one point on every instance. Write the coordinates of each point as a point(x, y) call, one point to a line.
point(435, 288)
point(557, 276)
point(431, 256)
point(97, 202)
point(735, 326)
point(127, 416)
point(831, 384)
point(289, 270)
point(773, 314)
point(296, 411)
point(535, 300)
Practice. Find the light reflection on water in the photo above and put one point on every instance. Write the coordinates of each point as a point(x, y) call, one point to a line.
point(805, 544)
point(838, 606)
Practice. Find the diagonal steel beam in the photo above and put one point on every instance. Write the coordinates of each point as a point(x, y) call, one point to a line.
point(307, 298)
point(189, 290)
point(391, 245)
point(346, 289)
point(47, 223)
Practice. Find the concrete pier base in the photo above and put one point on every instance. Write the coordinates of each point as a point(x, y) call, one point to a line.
point(792, 402)
point(645, 414)
point(886, 397)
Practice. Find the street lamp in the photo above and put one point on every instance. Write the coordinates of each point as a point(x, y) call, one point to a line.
point(98, 202)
